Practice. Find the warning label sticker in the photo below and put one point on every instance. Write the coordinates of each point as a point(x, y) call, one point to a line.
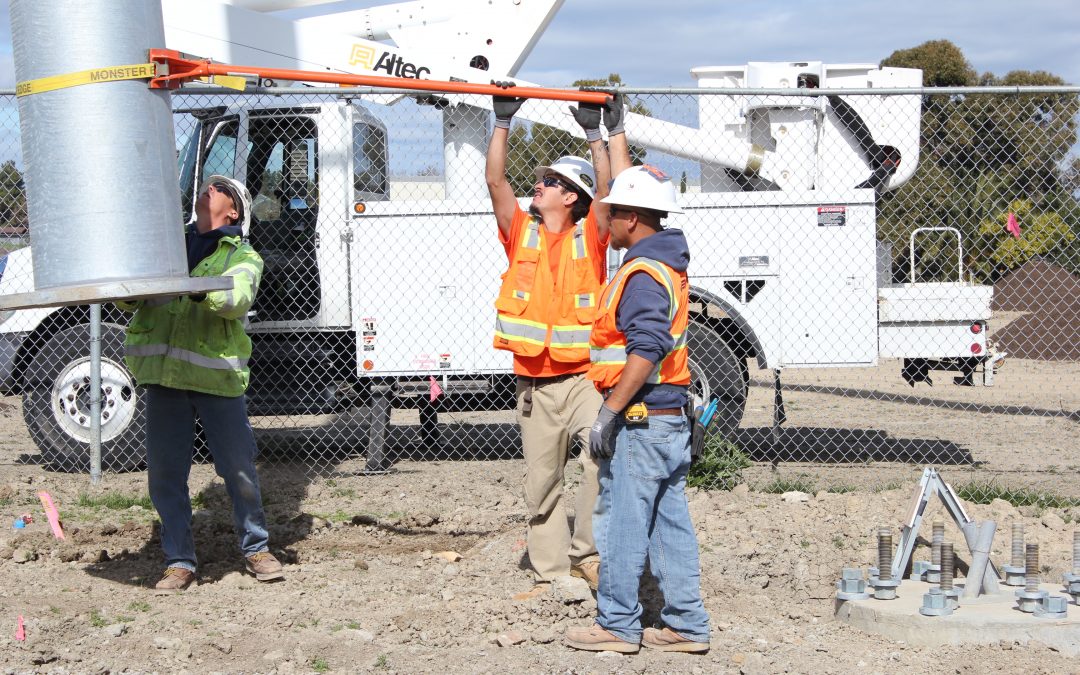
point(831, 216)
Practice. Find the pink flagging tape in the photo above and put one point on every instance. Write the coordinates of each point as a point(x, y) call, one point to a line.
point(1012, 225)
point(20, 630)
point(52, 514)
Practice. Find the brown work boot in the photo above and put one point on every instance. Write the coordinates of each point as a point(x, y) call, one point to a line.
point(541, 588)
point(667, 640)
point(264, 566)
point(588, 570)
point(175, 580)
point(596, 639)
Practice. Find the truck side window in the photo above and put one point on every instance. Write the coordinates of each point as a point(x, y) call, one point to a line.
point(283, 169)
point(369, 162)
point(221, 155)
point(283, 177)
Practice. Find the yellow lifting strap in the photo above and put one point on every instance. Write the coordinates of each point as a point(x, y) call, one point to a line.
point(134, 71)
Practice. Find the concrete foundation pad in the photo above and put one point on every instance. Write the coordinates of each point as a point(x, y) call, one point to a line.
point(986, 621)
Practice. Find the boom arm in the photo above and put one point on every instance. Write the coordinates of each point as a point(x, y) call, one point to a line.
point(480, 40)
point(469, 40)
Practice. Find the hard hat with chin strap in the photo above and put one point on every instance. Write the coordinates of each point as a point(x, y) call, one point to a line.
point(240, 196)
point(644, 187)
point(576, 170)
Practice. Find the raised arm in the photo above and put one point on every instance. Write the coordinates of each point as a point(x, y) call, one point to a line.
point(618, 148)
point(503, 201)
point(588, 116)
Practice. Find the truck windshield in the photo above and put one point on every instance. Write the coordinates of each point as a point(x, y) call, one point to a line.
point(219, 157)
point(187, 158)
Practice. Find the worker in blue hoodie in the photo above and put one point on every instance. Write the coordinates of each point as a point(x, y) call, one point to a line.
point(642, 433)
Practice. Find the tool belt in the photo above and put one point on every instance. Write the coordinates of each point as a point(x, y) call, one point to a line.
point(667, 411)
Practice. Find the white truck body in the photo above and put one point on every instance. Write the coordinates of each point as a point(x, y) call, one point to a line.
point(793, 263)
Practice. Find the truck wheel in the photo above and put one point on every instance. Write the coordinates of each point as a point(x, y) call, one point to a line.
point(715, 370)
point(56, 402)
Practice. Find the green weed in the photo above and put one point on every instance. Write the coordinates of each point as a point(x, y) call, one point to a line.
point(114, 502)
point(986, 492)
point(319, 665)
point(841, 489)
point(199, 501)
point(797, 484)
point(720, 465)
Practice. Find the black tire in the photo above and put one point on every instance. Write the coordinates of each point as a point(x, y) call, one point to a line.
point(56, 402)
point(715, 370)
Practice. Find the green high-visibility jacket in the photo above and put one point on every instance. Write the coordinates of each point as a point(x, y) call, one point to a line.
point(198, 346)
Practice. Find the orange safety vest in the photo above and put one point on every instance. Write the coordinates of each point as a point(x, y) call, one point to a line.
point(608, 343)
point(536, 312)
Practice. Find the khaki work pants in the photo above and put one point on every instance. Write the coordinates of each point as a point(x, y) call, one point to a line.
point(563, 409)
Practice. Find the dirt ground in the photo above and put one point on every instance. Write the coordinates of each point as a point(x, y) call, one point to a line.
point(367, 591)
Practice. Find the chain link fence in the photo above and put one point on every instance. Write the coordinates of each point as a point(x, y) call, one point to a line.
point(858, 317)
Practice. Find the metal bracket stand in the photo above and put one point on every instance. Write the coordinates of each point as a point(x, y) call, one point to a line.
point(933, 484)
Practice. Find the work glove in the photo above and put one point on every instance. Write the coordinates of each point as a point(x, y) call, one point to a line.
point(505, 106)
point(613, 114)
point(697, 436)
point(588, 117)
point(602, 434)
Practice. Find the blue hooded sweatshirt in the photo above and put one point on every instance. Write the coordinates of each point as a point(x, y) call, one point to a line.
point(642, 314)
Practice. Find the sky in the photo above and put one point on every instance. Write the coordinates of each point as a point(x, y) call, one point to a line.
point(655, 44)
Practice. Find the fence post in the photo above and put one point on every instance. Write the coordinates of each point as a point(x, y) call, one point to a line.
point(95, 394)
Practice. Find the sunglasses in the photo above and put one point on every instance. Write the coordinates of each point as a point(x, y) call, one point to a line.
point(552, 181)
point(225, 189)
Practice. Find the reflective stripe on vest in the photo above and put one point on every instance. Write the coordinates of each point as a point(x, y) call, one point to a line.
point(613, 355)
point(187, 356)
point(515, 328)
point(571, 337)
point(635, 266)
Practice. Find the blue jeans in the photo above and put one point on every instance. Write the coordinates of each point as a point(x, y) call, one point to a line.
point(641, 512)
point(170, 440)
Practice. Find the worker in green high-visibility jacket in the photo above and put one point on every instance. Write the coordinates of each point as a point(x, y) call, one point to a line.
point(189, 355)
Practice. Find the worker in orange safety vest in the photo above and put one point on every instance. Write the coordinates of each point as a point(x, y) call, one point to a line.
point(642, 433)
point(557, 255)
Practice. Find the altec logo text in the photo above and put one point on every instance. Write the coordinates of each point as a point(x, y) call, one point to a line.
point(391, 64)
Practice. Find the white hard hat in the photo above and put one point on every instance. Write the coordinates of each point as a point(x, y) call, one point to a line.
point(645, 187)
point(575, 169)
point(241, 197)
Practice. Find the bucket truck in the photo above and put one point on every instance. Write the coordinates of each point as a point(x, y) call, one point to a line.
point(368, 297)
